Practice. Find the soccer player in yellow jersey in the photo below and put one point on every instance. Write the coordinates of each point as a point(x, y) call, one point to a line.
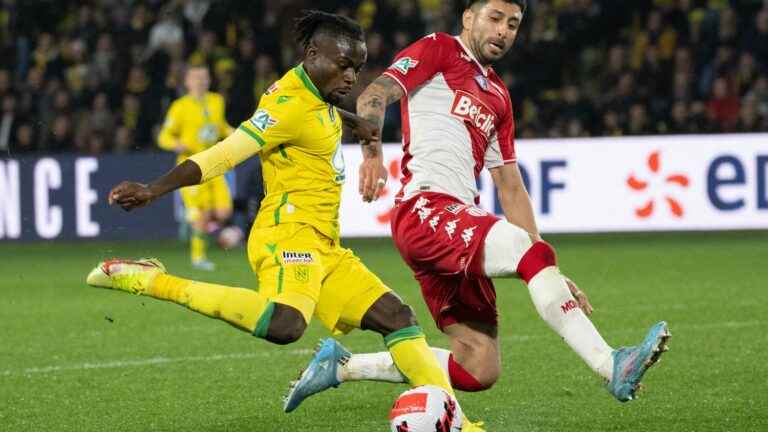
point(194, 123)
point(294, 245)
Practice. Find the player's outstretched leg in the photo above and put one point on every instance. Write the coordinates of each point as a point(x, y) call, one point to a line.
point(404, 339)
point(321, 374)
point(408, 359)
point(510, 252)
point(243, 308)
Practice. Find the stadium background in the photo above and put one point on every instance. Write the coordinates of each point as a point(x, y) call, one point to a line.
point(84, 87)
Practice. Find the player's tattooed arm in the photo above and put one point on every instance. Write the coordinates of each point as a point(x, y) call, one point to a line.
point(372, 106)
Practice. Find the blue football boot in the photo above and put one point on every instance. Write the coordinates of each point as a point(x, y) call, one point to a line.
point(320, 375)
point(631, 363)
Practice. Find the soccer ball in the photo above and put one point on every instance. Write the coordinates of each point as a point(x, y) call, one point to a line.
point(425, 409)
point(230, 237)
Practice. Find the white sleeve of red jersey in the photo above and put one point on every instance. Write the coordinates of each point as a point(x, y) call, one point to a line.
point(418, 62)
point(501, 149)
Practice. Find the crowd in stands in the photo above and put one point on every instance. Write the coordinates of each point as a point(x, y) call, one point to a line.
point(97, 76)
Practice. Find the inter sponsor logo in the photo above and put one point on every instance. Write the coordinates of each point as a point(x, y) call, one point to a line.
point(470, 109)
point(297, 258)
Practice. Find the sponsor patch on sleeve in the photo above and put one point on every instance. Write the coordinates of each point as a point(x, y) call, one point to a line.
point(405, 64)
point(262, 121)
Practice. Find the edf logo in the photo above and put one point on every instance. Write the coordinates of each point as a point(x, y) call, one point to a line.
point(727, 174)
point(551, 180)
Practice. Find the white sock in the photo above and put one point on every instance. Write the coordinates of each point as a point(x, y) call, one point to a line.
point(380, 367)
point(556, 305)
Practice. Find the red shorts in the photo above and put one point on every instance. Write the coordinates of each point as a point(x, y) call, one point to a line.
point(442, 240)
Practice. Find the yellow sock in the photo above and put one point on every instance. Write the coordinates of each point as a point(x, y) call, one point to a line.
point(415, 360)
point(198, 246)
point(243, 308)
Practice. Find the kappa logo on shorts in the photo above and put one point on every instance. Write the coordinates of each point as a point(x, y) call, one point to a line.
point(468, 234)
point(297, 257)
point(434, 222)
point(450, 228)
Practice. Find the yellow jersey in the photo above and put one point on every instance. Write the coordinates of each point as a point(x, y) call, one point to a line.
point(199, 124)
point(299, 136)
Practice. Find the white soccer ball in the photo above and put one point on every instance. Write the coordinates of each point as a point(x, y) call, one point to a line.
point(425, 409)
point(231, 237)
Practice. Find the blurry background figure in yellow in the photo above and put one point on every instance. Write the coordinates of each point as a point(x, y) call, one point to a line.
point(194, 123)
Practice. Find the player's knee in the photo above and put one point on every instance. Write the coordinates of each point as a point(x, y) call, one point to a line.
point(388, 314)
point(538, 257)
point(487, 376)
point(287, 325)
point(403, 317)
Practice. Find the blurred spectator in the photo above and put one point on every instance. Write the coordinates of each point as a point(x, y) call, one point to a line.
point(638, 123)
point(9, 122)
point(123, 140)
point(680, 121)
point(25, 141)
point(60, 137)
point(756, 41)
point(724, 105)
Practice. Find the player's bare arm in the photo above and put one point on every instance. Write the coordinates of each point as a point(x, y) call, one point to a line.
point(372, 106)
point(131, 195)
point(514, 198)
point(518, 210)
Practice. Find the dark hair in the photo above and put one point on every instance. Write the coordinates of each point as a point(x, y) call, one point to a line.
point(312, 21)
point(522, 3)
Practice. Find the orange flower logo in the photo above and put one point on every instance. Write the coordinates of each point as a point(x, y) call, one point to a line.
point(661, 183)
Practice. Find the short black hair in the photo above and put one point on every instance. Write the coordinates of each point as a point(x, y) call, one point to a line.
point(312, 22)
point(522, 3)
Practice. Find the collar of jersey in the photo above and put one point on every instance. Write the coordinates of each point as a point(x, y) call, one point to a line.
point(483, 69)
point(302, 74)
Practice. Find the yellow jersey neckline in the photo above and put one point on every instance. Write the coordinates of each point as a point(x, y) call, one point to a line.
point(307, 81)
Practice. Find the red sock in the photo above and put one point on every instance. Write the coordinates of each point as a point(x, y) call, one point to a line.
point(461, 379)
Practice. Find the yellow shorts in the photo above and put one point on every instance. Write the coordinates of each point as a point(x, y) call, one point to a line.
point(299, 267)
point(209, 196)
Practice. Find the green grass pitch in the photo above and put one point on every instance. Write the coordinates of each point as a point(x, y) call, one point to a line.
point(74, 358)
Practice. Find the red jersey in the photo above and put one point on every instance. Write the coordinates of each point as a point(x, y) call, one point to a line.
point(456, 118)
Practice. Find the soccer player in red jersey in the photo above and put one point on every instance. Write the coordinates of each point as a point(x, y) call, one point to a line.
point(457, 119)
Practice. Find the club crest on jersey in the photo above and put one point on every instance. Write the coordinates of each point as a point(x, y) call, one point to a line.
point(297, 257)
point(262, 121)
point(482, 82)
point(405, 64)
point(470, 109)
